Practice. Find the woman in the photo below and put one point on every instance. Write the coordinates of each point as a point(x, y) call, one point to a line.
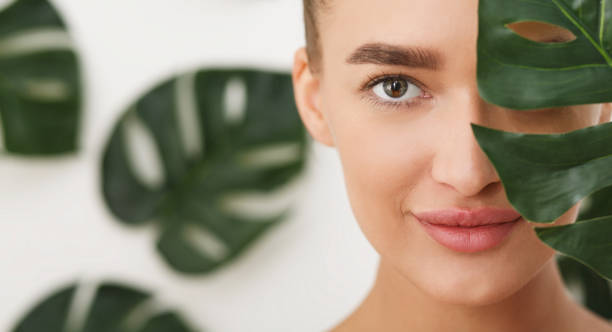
point(391, 84)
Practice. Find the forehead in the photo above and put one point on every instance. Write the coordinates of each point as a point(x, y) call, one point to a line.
point(448, 25)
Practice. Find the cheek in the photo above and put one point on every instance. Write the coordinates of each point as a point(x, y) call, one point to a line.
point(383, 157)
point(578, 117)
point(554, 120)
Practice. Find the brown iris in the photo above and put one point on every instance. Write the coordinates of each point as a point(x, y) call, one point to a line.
point(395, 87)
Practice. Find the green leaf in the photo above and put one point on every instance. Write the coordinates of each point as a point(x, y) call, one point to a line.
point(588, 242)
point(201, 151)
point(595, 290)
point(596, 205)
point(40, 89)
point(519, 73)
point(114, 308)
point(50, 315)
point(545, 175)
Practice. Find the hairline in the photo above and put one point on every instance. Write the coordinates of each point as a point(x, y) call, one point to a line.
point(312, 10)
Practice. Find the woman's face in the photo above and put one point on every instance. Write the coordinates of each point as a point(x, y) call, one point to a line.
point(407, 147)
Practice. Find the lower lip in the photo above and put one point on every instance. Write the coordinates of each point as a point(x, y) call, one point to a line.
point(469, 239)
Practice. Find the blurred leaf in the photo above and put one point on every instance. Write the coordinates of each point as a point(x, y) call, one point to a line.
point(595, 289)
point(519, 73)
point(596, 205)
point(201, 149)
point(112, 310)
point(40, 89)
point(588, 242)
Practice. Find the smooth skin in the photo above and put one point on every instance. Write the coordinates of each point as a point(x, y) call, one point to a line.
point(420, 154)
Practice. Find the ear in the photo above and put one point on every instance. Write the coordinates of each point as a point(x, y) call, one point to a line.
point(307, 99)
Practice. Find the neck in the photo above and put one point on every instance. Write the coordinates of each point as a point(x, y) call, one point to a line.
point(395, 304)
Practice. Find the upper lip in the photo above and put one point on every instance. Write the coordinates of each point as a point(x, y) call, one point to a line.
point(468, 218)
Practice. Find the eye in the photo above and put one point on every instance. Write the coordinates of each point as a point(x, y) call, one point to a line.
point(396, 89)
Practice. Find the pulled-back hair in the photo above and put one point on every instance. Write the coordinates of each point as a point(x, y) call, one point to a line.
point(312, 10)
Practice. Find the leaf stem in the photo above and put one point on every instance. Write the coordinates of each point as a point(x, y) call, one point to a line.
point(602, 15)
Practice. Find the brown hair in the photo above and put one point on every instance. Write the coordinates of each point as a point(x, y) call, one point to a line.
point(313, 48)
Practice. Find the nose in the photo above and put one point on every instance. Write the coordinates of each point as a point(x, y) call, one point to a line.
point(459, 162)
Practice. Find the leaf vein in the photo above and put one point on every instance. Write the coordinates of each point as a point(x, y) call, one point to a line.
point(574, 20)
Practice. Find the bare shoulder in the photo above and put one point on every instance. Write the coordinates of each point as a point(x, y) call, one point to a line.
point(348, 324)
point(357, 321)
point(597, 324)
point(600, 325)
point(586, 320)
point(340, 327)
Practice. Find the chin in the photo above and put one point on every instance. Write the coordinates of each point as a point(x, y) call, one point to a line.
point(474, 279)
point(468, 285)
point(473, 291)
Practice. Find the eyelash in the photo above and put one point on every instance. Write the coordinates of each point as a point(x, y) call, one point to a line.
point(373, 80)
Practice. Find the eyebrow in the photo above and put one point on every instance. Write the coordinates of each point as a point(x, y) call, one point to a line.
point(387, 54)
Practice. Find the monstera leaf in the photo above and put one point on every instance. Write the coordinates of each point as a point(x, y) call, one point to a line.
point(596, 291)
point(210, 149)
point(588, 242)
point(40, 94)
point(596, 205)
point(545, 175)
point(520, 73)
point(114, 308)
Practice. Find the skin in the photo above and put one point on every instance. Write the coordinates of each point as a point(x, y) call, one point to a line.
point(412, 158)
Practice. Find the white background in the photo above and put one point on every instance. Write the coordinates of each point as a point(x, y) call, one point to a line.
point(304, 275)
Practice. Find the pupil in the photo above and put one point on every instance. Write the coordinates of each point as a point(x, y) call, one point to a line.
point(395, 88)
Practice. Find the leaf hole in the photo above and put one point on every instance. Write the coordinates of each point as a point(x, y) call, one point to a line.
point(205, 242)
point(140, 315)
point(1, 133)
point(270, 155)
point(234, 100)
point(46, 90)
point(257, 205)
point(542, 32)
point(187, 114)
point(34, 41)
point(575, 290)
point(586, 204)
point(79, 307)
point(142, 153)
point(5, 3)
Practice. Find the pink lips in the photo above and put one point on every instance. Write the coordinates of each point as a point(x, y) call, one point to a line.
point(469, 230)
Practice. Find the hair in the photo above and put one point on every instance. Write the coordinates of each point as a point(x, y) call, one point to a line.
point(312, 10)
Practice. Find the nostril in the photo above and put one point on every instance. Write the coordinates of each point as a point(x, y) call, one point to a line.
point(466, 170)
point(541, 32)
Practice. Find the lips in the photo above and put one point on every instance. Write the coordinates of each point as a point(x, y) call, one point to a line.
point(469, 230)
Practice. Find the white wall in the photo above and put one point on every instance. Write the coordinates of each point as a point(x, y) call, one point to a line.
point(305, 275)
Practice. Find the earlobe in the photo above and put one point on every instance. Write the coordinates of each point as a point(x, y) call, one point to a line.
point(307, 99)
